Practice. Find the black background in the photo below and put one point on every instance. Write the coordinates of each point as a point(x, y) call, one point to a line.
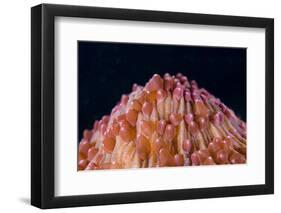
point(107, 70)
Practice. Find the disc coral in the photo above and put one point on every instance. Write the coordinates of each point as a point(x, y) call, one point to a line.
point(168, 122)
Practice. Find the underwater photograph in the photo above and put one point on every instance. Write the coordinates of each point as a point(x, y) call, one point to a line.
point(160, 105)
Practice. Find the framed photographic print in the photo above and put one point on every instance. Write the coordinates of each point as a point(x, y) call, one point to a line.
point(140, 106)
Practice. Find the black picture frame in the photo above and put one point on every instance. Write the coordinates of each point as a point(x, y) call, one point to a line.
point(43, 102)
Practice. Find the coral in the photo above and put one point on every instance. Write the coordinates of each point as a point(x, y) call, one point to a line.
point(168, 122)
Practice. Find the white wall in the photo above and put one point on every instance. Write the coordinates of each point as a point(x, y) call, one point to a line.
point(15, 104)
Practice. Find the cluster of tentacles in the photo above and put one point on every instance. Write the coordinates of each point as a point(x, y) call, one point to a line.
point(168, 122)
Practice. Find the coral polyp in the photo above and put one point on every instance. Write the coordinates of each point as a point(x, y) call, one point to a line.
point(170, 121)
